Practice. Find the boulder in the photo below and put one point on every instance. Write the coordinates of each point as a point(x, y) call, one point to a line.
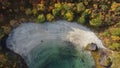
point(92, 47)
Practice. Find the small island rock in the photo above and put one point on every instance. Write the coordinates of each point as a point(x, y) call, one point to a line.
point(92, 47)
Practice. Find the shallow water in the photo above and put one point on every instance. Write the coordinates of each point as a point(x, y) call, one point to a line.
point(53, 45)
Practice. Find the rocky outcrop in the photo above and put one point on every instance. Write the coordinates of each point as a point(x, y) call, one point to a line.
point(105, 61)
point(100, 55)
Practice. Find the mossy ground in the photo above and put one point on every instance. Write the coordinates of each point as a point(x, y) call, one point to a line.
point(9, 59)
point(96, 57)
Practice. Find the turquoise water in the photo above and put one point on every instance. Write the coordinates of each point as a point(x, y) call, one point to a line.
point(44, 46)
point(58, 54)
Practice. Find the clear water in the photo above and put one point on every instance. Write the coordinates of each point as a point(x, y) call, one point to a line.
point(44, 45)
point(59, 54)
